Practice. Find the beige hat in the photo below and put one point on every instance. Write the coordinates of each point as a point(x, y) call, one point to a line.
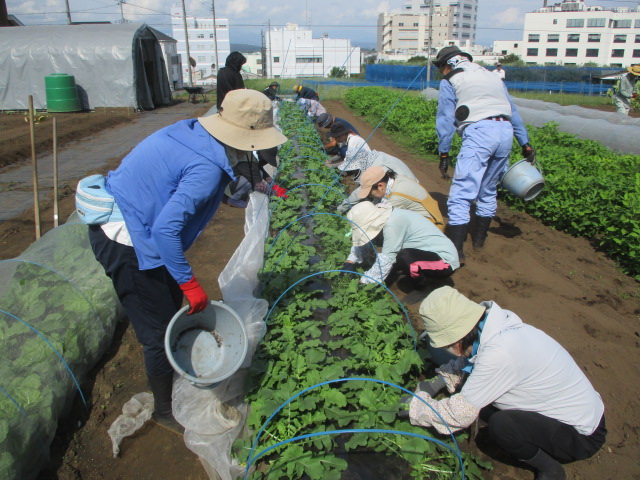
point(369, 178)
point(635, 69)
point(245, 121)
point(369, 219)
point(448, 316)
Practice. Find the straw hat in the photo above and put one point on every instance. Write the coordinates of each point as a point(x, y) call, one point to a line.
point(448, 316)
point(245, 121)
point(370, 177)
point(369, 220)
point(634, 69)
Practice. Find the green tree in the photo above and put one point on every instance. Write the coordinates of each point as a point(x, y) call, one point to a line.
point(513, 60)
point(417, 59)
point(338, 72)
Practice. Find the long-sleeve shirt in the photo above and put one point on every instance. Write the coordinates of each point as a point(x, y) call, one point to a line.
point(517, 367)
point(447, 125)
point(168, 189)
point(405, 229)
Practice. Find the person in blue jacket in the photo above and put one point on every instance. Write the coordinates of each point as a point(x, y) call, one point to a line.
point(475, 103)
point(168, 189)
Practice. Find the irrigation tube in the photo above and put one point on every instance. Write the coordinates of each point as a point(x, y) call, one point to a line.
point(55, 351)
point(413, 332)
point(251, 459)
point(311, 215)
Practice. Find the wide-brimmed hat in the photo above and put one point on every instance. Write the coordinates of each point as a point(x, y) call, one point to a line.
point(370, 177)
point(369, 220)
point(447, 316)
point(245, 121)
point(324, 119)
point(448, 52)
point(337, 129)
point(634, 69)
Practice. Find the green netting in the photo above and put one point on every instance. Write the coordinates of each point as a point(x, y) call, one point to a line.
point(58, 312)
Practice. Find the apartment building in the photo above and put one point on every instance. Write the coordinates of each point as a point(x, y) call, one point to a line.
point(202, 45)
point(573, 33)
point(292, 52)
point(407, 31)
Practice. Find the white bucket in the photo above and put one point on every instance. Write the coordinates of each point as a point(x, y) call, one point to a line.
point(524, 180)
point(206, 347)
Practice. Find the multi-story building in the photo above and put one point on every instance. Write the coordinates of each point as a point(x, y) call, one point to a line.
point(292, 51)
point(573, 33)
point(202, 44)
point(407, 31)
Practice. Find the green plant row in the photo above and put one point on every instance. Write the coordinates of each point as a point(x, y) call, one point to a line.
point(329, 327)
point(590, 191)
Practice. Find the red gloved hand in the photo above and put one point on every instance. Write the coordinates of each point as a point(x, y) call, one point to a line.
point(195, 295)
point(279, 191)
point(635, 95)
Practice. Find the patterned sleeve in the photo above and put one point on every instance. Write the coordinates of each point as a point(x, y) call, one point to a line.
point(454, 410)
point(379, 271)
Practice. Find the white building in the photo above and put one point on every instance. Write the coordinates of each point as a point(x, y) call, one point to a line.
point(253, 67)
point(452, 22)
point(292, 52)
point(573, 33)
point(202, 44)
point(169, 47)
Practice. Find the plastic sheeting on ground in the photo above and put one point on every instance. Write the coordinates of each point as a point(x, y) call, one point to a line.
point(618, 132)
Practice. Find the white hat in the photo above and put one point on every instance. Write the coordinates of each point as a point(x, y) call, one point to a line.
point(369, 220)
point(244, 122)
point(447, 316)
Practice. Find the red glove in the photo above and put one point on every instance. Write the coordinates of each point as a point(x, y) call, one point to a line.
point(635, 95)
point(195, 295)
point(279, 191)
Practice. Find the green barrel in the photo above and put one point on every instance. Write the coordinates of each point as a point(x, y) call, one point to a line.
point(62, 94)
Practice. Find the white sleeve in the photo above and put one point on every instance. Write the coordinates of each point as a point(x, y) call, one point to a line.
point(356, 255)
point(494, 373)
point(454, 410)
point(379, 271)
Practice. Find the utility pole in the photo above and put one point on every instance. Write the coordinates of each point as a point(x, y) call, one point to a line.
point(122, 20)
point(215, 34)
point(4, 15)
point(430, 42)
point(270, 51)
point(68, 12)
point(186, 39)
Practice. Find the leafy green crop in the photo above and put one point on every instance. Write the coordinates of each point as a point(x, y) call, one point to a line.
point(329, 327)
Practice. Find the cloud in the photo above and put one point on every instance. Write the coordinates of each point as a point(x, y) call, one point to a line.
point(510, 16)
point(237, 7)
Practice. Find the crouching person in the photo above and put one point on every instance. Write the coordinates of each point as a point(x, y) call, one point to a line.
point(539, 406)
point(411, 245)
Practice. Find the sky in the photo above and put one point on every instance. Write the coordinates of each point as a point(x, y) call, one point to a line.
point(497, 19)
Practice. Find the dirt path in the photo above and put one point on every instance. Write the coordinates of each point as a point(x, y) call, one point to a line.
point(553, 281)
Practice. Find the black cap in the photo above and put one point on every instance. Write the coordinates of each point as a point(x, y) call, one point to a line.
point(324, 119)
point(448, 52)
point(337, 129)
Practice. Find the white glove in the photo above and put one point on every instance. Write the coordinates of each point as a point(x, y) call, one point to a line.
point(452, 373)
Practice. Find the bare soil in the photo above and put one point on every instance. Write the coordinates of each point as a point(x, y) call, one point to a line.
point(555, 282)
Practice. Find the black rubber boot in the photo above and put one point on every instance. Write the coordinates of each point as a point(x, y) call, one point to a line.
point(479, 234)
point(547, 467)
point(458, 234)
point(161, 387)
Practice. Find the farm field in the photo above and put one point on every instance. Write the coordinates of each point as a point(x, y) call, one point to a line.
point(553, 281)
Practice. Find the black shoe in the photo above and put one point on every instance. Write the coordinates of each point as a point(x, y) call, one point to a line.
point(458, 234)
point(168, 422)
point(161, 387)
point(479, 234)
point(547, 467)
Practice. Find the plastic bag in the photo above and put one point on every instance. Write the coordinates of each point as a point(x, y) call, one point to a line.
point(134, 413)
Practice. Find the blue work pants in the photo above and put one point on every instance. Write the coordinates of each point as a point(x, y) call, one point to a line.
point(483, 158)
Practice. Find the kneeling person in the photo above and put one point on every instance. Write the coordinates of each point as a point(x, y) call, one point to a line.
point(410, 243)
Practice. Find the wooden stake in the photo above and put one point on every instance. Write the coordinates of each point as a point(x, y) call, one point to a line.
point(55, 173)
point(36, 200)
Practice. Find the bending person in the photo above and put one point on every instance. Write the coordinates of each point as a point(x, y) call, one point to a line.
point(411, 244)
point(539, 405)
point(168, 189)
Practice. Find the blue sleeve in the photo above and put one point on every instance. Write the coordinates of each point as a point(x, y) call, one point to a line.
point(197, 189)
point(519, 130)
point(445, 118)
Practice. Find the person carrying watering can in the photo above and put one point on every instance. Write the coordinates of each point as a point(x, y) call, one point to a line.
point(168, 188)
point(474, 102)
point(538, 405)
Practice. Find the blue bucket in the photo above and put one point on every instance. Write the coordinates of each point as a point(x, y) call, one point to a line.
point(524, 180)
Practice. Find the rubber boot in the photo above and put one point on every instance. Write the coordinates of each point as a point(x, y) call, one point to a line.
point(481, 231)
point(547, 467)
point(457, 234)
point(237, 199)
point(161, 387)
